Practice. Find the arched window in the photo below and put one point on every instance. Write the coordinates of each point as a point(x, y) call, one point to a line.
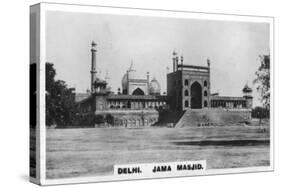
point(205, 83)
point(205, 93)
point(205, 104)
point(186, 104)
point(138, 91)
point(186, 82)
point(186, 92)
point(196, 94)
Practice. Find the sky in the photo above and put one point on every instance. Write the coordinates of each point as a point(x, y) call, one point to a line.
point(232, 47)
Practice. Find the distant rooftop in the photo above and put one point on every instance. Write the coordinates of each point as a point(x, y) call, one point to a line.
point(136, 97)
point(227, 98)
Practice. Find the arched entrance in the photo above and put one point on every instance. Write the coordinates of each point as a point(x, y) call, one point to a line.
point(138, 91)
point(196, 95)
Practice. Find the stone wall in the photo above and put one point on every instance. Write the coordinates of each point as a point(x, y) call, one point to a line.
point(135, 84)
point(131, 118)
point(174, 90)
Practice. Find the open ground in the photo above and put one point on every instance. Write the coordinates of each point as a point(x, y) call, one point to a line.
point(94, 151)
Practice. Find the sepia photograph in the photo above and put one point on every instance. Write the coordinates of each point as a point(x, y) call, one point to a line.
point(137, 95)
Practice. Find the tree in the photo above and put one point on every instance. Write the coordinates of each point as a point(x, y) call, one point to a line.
point(260, 112)
point(109, 119)
point(60, 100)
point(262, 80)
point(99, 119)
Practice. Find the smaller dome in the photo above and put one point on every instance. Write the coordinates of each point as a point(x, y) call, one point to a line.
point(99, 81)
point(130, 74)
point(154, 87)
point(125, 81)
point(247, 89)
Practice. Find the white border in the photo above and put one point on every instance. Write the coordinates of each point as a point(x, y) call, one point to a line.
point(42, 92)
point(35, 10)
point(44, 7)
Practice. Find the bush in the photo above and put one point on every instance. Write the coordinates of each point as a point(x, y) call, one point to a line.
point(260, 113)
point(109, 119)
point(98, 119)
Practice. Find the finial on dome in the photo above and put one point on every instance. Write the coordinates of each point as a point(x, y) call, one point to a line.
point(182, 58)
point(247, 89)
point(93, 44)
point(106, 76)
point(132, 65)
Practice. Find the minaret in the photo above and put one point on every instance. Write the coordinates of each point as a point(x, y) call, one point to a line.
point(247, 94)
point(181, 62)
point(209, 70)
point(209, 81)
point(208, 62)
point(93, 67)
point(174, 61)
point(177, 63)
point(147, 77)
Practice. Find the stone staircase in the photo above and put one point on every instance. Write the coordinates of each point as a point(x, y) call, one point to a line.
point(208, 117)
point(169, 118)
point(193, 117)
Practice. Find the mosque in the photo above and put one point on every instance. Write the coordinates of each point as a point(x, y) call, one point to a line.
point(140, 103)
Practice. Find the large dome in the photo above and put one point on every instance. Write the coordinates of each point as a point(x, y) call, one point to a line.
point(130, 74)
point(125, 81)
point(154, 87)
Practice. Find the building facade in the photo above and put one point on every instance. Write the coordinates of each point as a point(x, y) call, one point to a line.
point(189, 86)
point(140, 103)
